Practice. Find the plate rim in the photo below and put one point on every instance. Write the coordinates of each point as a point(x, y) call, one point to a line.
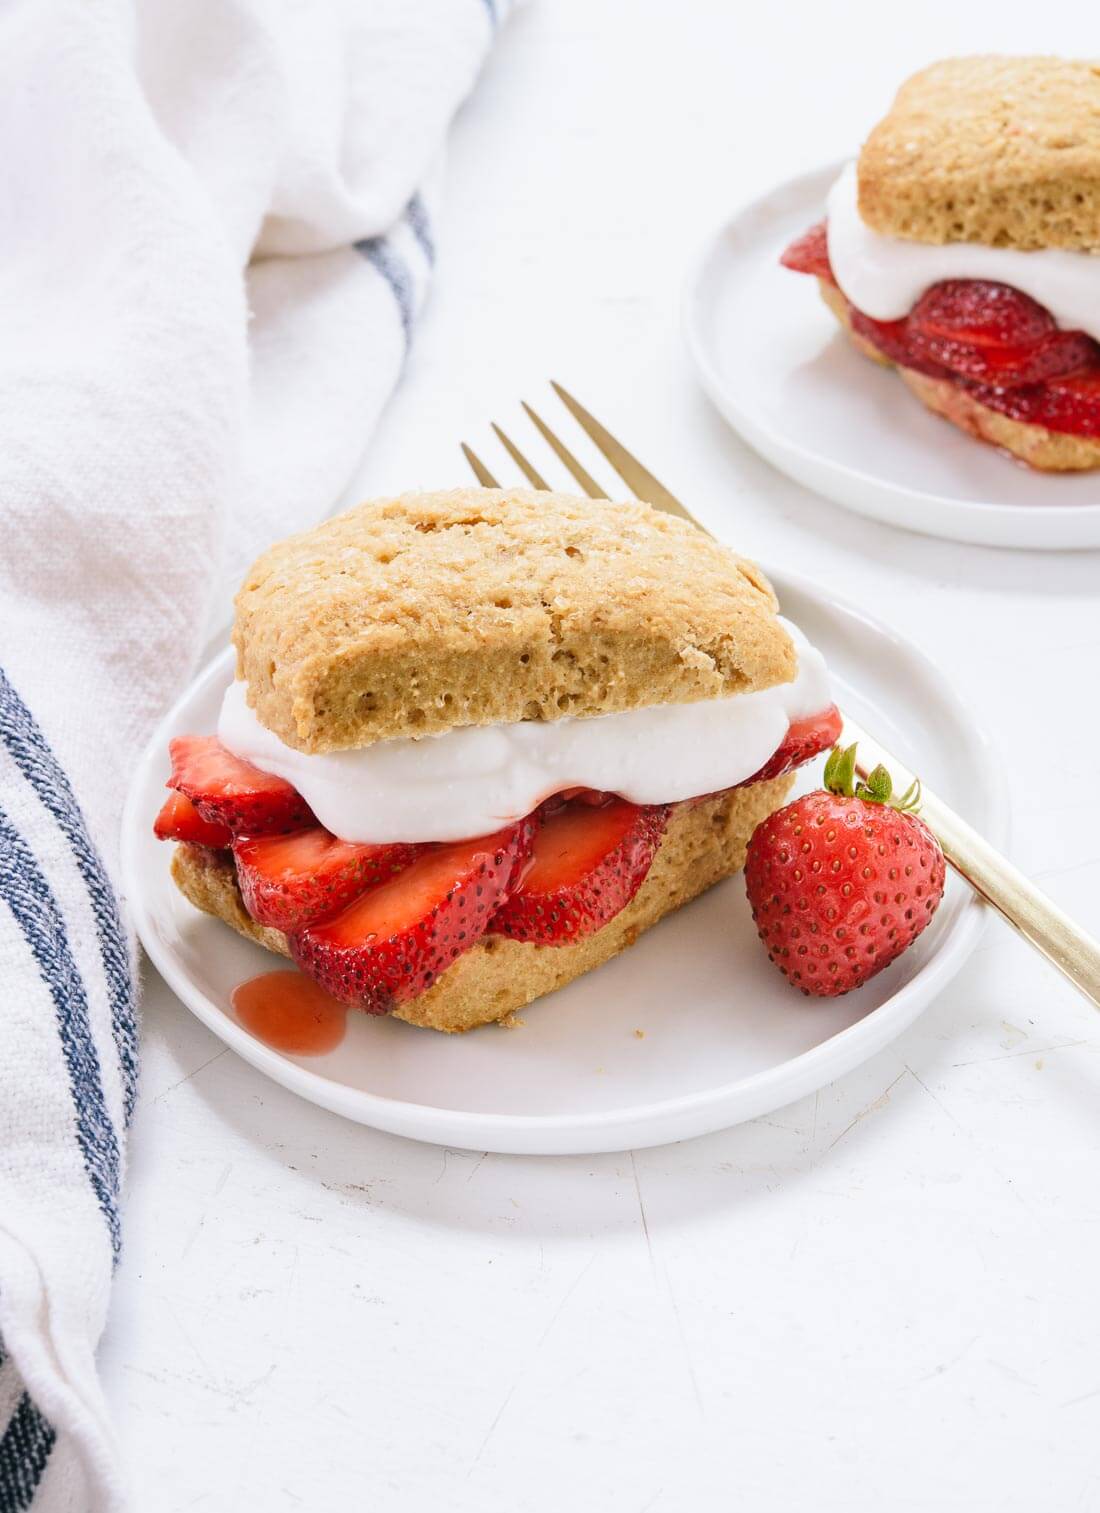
point(522, 1131)
point(785, 453)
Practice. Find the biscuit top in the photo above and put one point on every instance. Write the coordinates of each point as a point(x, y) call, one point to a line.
point(413, 615)
point(999, 150)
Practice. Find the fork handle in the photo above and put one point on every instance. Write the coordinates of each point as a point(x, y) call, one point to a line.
point(993, 877)
point(1066, 946)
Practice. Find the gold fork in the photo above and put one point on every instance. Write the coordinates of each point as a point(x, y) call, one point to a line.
point(1041, 923)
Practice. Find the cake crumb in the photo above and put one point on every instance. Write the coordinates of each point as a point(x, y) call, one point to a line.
point(639, 1034)
point(695, 657)
point(511, 1021)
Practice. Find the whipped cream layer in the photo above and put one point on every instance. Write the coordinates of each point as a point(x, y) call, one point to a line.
point(884, 276)
point(476, 778)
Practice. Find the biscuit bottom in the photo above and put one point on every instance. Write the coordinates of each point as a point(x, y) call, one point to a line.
point(703, 844)
point(1043, 449)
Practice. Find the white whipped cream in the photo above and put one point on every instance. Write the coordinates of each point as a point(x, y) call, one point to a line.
point(473, 779)
point(884, 276)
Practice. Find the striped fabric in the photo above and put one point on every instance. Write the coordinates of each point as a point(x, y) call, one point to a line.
point(68, 1090)
point(256, 241)
point(404, 257)
point(24, 1451)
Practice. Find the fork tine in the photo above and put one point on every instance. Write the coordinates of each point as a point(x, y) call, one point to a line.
point(528, 469)
point(629, 469)
point(481, 472)
point(574, 464)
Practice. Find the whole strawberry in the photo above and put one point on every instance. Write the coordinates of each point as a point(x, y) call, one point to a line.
point(841, 881)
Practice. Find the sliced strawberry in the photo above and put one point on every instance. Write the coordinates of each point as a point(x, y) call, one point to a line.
point(891, 338)
point(810, 254)
point(230, 792)
point(993, 334)
point(1073, 403)
point(996, 343)
point(804, 740)
point(1059, 353)
point(980, 312)
point(393, 942)
point(587, 863)
point(593, 797)
point(179, 820)
point(1065, 402)
point(291, 881)
point(1070, 405)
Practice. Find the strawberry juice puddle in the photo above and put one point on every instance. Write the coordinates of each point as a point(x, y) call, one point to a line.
point(290, 1013)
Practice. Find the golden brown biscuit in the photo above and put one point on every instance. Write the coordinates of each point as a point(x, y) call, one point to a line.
point(703, 844)
point(999, 150)
point(1048, 451)
point(411, 615)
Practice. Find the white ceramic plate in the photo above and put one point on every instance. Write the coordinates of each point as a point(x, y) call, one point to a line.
point(777, 366)
point(725, 1038)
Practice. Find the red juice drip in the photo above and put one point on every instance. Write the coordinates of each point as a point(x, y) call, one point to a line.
point(290, 1013)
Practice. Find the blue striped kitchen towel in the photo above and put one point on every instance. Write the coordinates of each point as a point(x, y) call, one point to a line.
point(218, 228)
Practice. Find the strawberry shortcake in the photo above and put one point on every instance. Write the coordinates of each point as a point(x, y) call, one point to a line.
point(480, 740)
point(961, 249)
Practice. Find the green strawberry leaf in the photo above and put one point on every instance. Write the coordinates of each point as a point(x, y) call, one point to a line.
point(840, 771)
point(877, 788)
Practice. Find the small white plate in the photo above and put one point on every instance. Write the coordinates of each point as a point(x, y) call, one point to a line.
point(724, 1037)
point(775, 363)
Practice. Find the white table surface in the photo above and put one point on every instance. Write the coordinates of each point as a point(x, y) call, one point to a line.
point(884, 1296)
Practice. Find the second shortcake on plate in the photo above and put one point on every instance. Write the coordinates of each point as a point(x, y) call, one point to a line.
point(961, 248)
point(480, 740)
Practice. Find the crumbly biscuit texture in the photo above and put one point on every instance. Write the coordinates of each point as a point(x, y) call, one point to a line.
point(999, 150)
point(1043, 449)
point(411, 615)
point(703, 844)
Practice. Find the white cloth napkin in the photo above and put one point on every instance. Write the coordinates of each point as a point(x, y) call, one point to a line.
point(217, 228)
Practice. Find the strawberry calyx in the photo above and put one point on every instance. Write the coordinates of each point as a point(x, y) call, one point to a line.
point(842, 778)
